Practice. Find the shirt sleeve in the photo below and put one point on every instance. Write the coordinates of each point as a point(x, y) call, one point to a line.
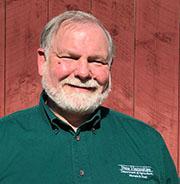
point(170, 173)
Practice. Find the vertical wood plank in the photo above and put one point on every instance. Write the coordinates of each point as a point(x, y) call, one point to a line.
point(2, 56)
point(24, 20)
point(118, 16)
point(58, 6)
point(157, 67)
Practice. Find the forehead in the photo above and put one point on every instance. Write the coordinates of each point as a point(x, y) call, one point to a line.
point(83, 37)
point(74, 25)
point(71, 27)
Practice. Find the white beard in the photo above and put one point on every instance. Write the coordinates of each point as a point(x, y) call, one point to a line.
point(81, 103)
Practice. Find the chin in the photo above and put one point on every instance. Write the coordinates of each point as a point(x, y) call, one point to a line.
point(81, 103)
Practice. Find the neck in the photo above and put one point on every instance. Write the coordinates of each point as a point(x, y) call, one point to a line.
point(72, 119)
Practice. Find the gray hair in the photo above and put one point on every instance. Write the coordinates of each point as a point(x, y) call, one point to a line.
point(53, 25)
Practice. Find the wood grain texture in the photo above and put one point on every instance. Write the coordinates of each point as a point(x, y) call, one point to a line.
point(145, 72)
point(2, 55)
point(156, 68)
point(118, 17)
point(24, 20)
point(58, 6)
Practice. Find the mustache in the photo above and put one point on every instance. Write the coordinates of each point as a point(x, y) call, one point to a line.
point(76, 82)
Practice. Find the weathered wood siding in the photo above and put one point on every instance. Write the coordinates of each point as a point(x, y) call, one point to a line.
point(145, 72)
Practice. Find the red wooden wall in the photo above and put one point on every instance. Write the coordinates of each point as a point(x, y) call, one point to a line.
point(145, 72)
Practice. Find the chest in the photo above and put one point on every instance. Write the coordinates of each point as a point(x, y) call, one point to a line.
point(87, 158)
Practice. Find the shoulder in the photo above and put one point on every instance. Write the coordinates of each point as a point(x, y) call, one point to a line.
point(20, 118)
point(135, 129)
point(143, 137)
point(19, 114)
point(127, 120)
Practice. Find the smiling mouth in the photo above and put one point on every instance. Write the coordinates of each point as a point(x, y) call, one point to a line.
point(87, 88)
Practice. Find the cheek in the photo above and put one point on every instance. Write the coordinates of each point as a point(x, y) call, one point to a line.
point(61, 70)
point(102, 76)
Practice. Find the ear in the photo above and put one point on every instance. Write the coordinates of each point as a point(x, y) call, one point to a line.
point(41, 59)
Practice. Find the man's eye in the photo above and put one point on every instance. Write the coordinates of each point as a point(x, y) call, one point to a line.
point(68, 57)
point(99, 62)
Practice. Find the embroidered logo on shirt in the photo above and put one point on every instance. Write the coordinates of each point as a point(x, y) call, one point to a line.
point(136, 171)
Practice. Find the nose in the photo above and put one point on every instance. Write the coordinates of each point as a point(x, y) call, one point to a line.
point(83, 71)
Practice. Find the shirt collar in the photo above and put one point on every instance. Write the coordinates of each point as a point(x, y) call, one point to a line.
point(91, 124)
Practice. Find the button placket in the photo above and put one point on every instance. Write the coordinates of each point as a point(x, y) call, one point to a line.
point(80, 157)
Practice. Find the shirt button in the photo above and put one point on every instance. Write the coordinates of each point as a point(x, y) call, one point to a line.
point(81, 172)
point(78, 137)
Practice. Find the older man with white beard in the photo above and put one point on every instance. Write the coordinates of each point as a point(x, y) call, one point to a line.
point(69, 137)
point(76, 73)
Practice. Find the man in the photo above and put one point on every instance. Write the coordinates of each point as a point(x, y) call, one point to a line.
point(69, 138)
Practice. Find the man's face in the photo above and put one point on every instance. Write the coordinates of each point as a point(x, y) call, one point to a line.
point(77, 74)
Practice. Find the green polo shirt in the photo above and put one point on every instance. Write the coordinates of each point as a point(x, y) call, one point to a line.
point(110, 148)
